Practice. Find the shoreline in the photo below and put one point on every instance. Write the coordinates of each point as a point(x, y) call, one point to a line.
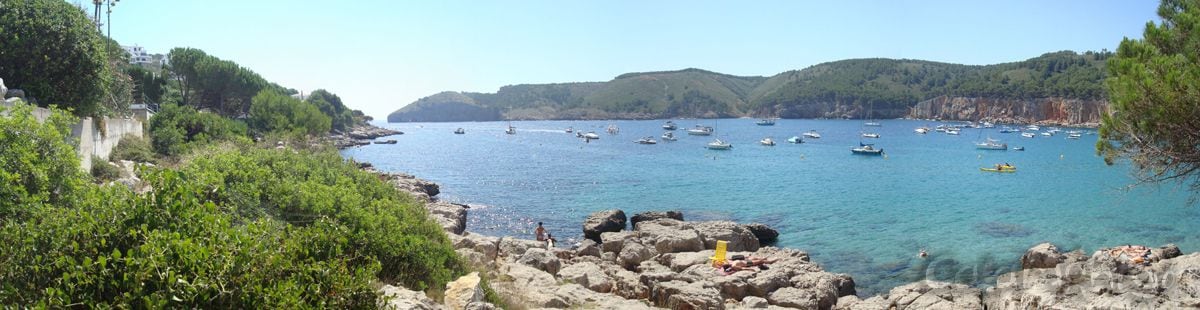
point(663, 262)
point(1009, 122)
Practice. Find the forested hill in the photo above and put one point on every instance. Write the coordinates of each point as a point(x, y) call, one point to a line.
point(855, 88)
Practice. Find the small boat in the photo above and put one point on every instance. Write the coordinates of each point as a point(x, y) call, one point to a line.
point(1048, 134)
point(719, 145)
point(612, 129)
point(1007, 129)
point(1019, 148)
point(795, 140)
point(767, 142)
point(921, 130)
point(872, 124)
point(385, 142)
point(1074, 136)
point(1033, 128)
point(700, 131)
point(952, 132)
point(459, 131)
point(992, 144)
point(669, 126)
point(812, 134)
point(866, 149)
point(999, 168)
point(988, 125)
point(870, 135)
point(591, 135)
point(668, 136)
point(765, 122)
point(646, 140)
point(940, 128)
point(511, 130)
point(1028, 134)
point(570, 130)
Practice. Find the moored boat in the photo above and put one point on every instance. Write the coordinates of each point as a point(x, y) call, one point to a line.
point(866, 149)
point(795, 140)
point(870, 135)
point(668, 136)
point(1028, 134)
point(591, 135)
point(765, 122)
point(921, 130)
point(767, 142)
point(812, 134)
point(511, 130)
point(719, 145)
point(646, 140)
point(700, 131)
point(992, 144)
point(669, 125)
point(459, 131)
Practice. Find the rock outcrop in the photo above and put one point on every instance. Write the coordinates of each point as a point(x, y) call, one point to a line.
point(1051, 111)
point(360, 135)
point(1043, 255)
point(399, 298)
point(654, 215)
point(464, 291)
point(602, 222)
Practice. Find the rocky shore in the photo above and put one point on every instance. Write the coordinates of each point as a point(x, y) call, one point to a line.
point(360, 135)
point(659, 260)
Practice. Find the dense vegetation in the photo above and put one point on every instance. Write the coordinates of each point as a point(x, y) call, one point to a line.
point(275, 112)
point(232, 226)
point(52, 51)
point(860, 88)
point(177, 129)
point(1154, 84)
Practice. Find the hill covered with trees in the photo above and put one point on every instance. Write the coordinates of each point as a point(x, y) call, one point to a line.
point(855, 88)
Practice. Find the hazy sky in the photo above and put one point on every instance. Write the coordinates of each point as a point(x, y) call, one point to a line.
point(381, 55)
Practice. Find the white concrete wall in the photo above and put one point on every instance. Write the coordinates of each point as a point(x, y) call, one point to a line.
point(90, 140)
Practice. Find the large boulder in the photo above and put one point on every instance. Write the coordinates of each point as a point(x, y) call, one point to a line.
point(633, 254)
point(684, 295)
point(1043, 255)
point(654, 215)
point(587, 247)
point(486, 245)
point(1104, 281)
point(614, 241)
point(463, 291)
point(738, 237)
point(452, 217)
point(399, 298)
point(602, 222)
point(765, 234)
point(670, 236)
point(542, 259)
point(515, 247)
point(587, 274)
point(935, 295)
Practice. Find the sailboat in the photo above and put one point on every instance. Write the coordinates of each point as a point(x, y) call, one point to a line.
point(511, 130)
point(870, 122)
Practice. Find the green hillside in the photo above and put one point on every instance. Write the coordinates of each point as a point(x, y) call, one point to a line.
point(855, 88)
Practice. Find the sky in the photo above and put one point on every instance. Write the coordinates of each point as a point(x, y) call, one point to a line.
point(381, 55)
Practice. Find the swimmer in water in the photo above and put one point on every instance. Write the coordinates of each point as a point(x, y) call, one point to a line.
point(923, 254)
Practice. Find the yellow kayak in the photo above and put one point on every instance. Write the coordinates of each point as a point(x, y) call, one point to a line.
point(1002, 169)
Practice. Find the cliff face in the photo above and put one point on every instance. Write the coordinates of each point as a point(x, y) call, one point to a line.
point(1056, 111)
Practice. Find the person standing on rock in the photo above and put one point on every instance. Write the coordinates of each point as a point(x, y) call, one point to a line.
point(540, 232)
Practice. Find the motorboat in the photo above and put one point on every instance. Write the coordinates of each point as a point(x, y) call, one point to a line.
point(988, 125)
point(767, 142)
point(511, 130)
point(459, 131)
point(570, 130)
point(940, 128)
point(1033, 128)
point(870, 135)
point(1028, 134)
point(1007, 129)
point(1048, 134)
point(952, 131)
point(1019, 148)
point(812, 134)
point(389, 141)
point(1000, 168)
point(719, 145)
point(872, 124)
point(866, 149)
point(1074, 136)
point(700, 131)
point(591, 135)
point(765, 122)
point(992, 144)
point(921, 130)
point(646, 140)
point(669, 126)
point(668, 136)
point(795, 140)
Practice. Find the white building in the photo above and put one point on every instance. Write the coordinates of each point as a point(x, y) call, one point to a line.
point(138, 55)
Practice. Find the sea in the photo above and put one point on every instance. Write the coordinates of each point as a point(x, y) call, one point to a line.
point(867, 216)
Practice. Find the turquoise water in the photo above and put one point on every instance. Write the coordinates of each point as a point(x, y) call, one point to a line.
point(866, 216)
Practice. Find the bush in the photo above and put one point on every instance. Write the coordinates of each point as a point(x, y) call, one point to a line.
point(271, 111)
point(231, 228)
point(40, 165)
point(52, 50)
point(133, 148)
point(177, 129)
point(103, 171)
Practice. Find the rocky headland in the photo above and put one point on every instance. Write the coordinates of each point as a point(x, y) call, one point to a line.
point(360, 135)
point(660, 260)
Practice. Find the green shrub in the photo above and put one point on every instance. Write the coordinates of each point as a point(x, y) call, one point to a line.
point(271, 111)
point(102, 171)
point(39, 164)
point(133, 148)
point(177, 129)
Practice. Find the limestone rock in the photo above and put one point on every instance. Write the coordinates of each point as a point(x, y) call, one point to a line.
point(654, 215)
point(488, 246)
point(633, 254)
point(603, 221)
point(480, 305)
point(515, 247)
point(452, 217)
point(1043, 255)
point(614, 241)
point(399, 298)
point(670, 236)
point(1102, 281)
point(683, 295)
point(588, 275)
point(541, 259)
point(935, 295)
point(682, 260)
point(738, 237)
point(463, 291)
point(587, 247)
point(764, 233)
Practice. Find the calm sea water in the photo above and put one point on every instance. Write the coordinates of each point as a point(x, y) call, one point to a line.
point(866, 216)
